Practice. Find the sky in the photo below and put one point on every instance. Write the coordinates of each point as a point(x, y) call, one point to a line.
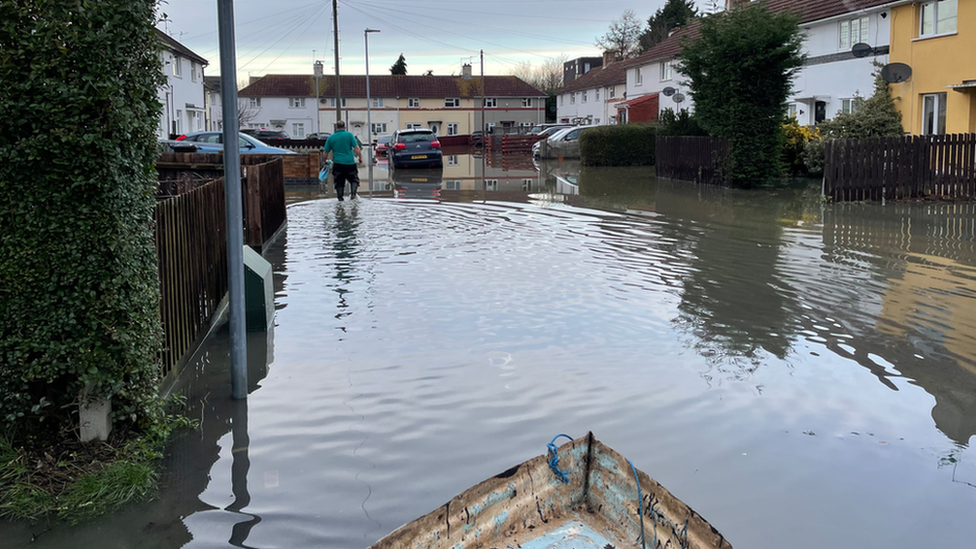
point(286, 36)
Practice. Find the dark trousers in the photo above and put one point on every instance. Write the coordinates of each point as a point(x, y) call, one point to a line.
point(341, 173)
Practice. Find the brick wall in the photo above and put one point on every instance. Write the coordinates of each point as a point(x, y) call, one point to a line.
point(301, 168)
point(645, 111)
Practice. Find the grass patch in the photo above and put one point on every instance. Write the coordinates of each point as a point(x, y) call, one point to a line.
point(74, 481)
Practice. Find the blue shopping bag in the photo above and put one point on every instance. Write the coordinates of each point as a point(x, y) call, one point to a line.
point(324, 172)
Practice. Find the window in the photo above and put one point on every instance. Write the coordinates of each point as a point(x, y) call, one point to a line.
point(526, 101)
point(193, 71)
point(332, 102)
point(596, 120)
point(640, 75)
point(256, 102)
point(490, 127)
point(452, 185)
point(562, 100)
point(791, 110)
point(527, 185)
point(298, 130)
point(572, 98)
point(177, 66)
point(452, 160)
point(379, 127)
point(584, 96)
point(933, 114)
point(413, 103)
point(491, 184)
point(847, 106)
point(179, 121)
point(596, 92)
point(296, 102)
point(491, 102)
point(853, 31)
point(612, 92)
point(452, 102)
point(667, 71)
point(938, 17)
point(377, 102)
point(414, 126)
point(452, 128)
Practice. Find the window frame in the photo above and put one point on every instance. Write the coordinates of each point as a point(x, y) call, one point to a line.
point(939, 113)
point(452, 102)
point(934, 4)
point(332, 102)
point(491, 102)
point(296, 102)
point(413, 102)
point(846, 35)
point(667, 71)
point(377, 102)
point(527, 102)
point(298, 130)
point(453, 128)
point(177, 66)
point(378, 128)
point(639, 78)
point(255, 102)
point(583, 95)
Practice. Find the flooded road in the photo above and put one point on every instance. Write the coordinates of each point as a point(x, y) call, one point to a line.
point(802, 374)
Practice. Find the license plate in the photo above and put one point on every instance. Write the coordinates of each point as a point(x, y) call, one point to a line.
point(418, 157)
point(418, 179)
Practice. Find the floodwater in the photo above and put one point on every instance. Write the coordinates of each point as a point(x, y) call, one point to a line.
point(802, 374)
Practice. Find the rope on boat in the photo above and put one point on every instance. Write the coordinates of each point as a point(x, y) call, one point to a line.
point(640, 507)
point(554, 461)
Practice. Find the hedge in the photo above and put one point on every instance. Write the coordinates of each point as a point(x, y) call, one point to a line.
point(78, 278)
point(624, 145)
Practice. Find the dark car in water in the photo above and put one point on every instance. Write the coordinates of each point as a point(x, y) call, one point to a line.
point(415, 149)
point(266, 135)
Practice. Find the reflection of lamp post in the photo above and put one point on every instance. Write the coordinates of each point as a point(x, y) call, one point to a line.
point(318, 75)
point(369, 123)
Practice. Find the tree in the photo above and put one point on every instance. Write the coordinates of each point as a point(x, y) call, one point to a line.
point(246, 111)
point(400, 67)
point(623, 36)
point(875, 116)
point(547, 77)
point(740, 72)
point(674, 14)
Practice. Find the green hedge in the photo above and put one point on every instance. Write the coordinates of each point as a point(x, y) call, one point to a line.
point(78, 278)
point(624, 145)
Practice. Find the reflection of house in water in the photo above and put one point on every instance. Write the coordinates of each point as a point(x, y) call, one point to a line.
point(498, 173)
point(927, 307)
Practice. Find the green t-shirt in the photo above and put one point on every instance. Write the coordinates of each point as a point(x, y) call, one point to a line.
point(341, 144)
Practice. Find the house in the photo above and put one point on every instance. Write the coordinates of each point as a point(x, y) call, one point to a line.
point(578, 67)
point(214, 116)
point(448, 105)
point(592, 97)
point(937, 40)
point(182, 95)
point(650, 74)
point(827, 83)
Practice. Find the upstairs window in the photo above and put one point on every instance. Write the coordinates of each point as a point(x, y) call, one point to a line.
point(332, 102)
point(612, 92)
point(640, 75)
point(596, 92)
point(526, 101)
point(572, 98)
point(296, 102)
point(854, 31)
point(584, 96)
point(177, 66)
point(491, 102)
point(255, 102)
point(667, 71)
point(413, 103)
point(452, 102)
point(938, 17)
point(377, 102)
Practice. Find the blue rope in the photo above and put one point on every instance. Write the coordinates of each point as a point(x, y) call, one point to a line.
point(554, 462)
point(640, 506)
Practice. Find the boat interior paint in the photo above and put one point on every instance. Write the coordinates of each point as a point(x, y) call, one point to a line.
point(530, 503)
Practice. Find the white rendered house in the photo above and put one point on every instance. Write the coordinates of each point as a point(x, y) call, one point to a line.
point(182, 97)
point(592, 97)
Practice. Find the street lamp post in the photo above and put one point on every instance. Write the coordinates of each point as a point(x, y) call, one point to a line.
point(369, 101)
point(317, 69)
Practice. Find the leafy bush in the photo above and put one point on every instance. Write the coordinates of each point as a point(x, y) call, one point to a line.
point(740, 72)
point(679, 124)
point(78, 278)
point(797, 138)
point(623, 145)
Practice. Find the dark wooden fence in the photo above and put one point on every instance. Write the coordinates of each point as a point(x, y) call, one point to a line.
point(895, 168)
point(191, 247)
point(191, 239)
point(698, 159)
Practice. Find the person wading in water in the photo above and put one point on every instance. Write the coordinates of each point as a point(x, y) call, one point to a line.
point(345, 153)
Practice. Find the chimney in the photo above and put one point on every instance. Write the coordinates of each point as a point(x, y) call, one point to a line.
point(466, 71)
point(609, 57)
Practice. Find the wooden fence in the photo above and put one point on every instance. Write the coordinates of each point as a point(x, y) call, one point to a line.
point(895, 168)
point(698, 159)
point(191, 239)
point(191, 246)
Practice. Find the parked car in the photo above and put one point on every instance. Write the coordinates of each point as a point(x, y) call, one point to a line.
point(266, 135)
point(213, 142)
point(563, 143)
point(539, 129)
point(415, 149)
point(322, 136)
point(553, 129)
point(383, 143)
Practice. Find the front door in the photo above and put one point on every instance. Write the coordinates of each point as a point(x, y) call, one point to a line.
point(819, 112)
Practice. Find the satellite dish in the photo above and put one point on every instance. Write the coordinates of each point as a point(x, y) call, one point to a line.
point(669, 91)
point(861, 50)
point(323, 100)
point(894, 73)
point(678, 97)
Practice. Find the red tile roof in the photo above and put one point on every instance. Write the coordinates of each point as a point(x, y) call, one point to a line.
point(354, 85)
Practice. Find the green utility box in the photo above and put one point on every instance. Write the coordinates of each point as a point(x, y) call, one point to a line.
point(258, 291)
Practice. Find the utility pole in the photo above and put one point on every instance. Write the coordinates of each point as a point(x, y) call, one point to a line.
point(335, 33)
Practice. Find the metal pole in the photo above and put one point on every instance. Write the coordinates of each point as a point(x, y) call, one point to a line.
point(369, 122)
point(233, 201)
point(335, 32)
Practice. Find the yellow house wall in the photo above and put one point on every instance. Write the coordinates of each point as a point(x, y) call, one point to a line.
point(434, 109)
point(936, 63)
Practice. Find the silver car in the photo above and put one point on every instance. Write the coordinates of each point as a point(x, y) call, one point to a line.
point(562, 144)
